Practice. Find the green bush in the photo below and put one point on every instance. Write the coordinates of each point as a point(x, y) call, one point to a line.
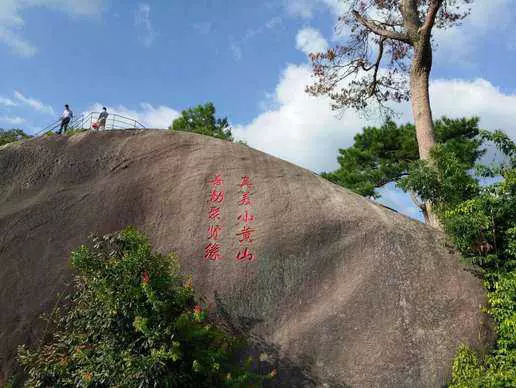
point(132, 321)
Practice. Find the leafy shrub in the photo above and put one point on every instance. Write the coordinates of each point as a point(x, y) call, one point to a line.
point(132, 321)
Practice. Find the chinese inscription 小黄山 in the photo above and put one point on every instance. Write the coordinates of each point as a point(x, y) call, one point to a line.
point(245, 220)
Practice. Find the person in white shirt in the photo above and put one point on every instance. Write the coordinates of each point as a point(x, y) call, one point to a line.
point(65, 119)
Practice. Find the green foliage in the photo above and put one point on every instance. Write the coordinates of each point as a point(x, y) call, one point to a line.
point(202, 120)
point(445, 182)
point(132, 321)
point(387, 154)
point(483, 228)
point(11, 135)
point(499, 368)
point(481, 221)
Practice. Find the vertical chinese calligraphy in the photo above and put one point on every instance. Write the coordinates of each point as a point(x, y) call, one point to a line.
point(245, 220)
point(212, 251)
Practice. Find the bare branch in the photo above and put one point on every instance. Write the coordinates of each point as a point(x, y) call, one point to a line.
point(376, 67)
point(378, 30)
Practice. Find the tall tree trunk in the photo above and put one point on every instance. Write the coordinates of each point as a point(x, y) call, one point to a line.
point(421, 111)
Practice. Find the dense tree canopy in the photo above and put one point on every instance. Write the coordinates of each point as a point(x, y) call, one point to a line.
point(202, 120)
point(385, 154)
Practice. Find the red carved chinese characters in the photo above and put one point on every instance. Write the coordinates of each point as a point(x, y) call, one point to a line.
point(244, 254)
point(217, 196)
point(246, 182)
point(214, 213)
point(245, 199)
point(212, 251)
point(245, 234)
point(246, 217)
point(217, 181)
point(213, 231)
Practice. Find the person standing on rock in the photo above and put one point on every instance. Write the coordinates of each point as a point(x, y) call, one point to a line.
point(65, 119)
point(101, 121)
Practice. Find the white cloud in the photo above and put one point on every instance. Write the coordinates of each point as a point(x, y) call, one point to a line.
point(17, 43)
point(11, 18)
point(309, 40)
point(300, 128)
point(7, 101)
point(303, 129)
point(151, 117)
point(12, 120)
point(33, 103)
point(458, 98)
point(142, 22)
point(455, 45)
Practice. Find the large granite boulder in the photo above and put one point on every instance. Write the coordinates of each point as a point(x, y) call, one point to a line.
point(335, 289)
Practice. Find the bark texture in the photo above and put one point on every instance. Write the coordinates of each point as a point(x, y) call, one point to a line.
point(421, 109)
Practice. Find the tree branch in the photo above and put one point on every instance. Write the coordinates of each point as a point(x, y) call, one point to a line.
point(378, 30)
point(376, 67)
point(430, 16)
point(410, 14)
point(420, 205)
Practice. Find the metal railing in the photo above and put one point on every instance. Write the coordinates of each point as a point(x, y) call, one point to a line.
point(87, 121)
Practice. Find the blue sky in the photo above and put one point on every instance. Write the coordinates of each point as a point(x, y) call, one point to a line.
point(151, 59)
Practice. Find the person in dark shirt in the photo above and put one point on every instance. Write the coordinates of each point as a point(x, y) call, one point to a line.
point(101, 122)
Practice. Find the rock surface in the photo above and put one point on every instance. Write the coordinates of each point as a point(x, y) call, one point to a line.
point(342, 291)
